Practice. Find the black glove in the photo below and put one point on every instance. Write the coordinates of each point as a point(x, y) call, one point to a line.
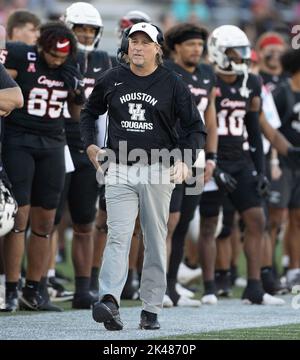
point(293, 156)
point(263, 185)
point(74, 82)
point(224, 180)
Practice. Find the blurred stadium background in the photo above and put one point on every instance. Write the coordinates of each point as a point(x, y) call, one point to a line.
point(253, 16)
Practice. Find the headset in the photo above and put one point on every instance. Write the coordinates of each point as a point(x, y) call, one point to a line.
point(123, 49)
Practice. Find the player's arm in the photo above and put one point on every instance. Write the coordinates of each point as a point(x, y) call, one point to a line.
point(73, 79)
point(212, 136)
point(277, 140)
point(10, 94)
point(254, 135)
point(74, 109)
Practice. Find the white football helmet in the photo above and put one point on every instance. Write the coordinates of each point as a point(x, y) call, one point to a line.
point(230, 37)
point(131, 18)
point(81, 13)
point(8, 210)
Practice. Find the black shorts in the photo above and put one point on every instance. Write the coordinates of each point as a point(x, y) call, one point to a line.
point(37, 175)
point(80, 190)
point(176, 198)
point(243, 198)
point(285, 192)
point(228, 218)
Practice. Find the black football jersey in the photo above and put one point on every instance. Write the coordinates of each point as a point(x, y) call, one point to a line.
point(44, 94)
point(272, 81)
point(200, 82)
point(231, 109)
point(143, 110)
point(288, 106)
point(93, 66)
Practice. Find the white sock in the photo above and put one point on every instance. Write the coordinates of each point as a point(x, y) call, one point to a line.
point(2, 279)
point(291, 274)
point(51, 273)
point(285, 261)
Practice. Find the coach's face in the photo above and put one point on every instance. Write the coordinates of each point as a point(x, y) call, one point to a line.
point(190, 51)
point(142, 50)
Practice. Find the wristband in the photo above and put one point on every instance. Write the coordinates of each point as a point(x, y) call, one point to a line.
point(212, 156)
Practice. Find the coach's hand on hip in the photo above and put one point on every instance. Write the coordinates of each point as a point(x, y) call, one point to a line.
point(95, 153)
point(179, 172)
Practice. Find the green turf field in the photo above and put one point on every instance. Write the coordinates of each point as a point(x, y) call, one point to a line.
point(283, 332)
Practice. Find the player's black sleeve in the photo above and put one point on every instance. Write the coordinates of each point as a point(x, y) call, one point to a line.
point(191, 123)
point(280, 96)
point(14, 55)
point(95, 106)
point(255, 141)
point(5, 80)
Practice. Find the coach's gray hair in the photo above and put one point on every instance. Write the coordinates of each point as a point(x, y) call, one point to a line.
point(159, 57)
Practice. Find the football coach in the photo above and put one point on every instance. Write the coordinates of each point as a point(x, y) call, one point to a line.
point(149, 109)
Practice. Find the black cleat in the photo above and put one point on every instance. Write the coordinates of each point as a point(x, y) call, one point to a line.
point(223, 283)
point(35, 302)
point(57, 291)
point(11, 302)
point(106, 311)
point(48, 306)
point(84, 301)
point(149, 321)
point(271, 284)
point(30, 301)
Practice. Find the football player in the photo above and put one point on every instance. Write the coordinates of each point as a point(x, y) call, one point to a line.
point(239, 174)
point(81, 188)
point(186, 43)
point(33, 153)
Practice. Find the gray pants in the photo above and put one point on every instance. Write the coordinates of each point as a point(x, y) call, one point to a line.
point(130, 191)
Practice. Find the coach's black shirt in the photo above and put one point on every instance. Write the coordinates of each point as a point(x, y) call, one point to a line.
point(143, 110)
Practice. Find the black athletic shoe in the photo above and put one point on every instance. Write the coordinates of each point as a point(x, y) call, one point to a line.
point(272, 285)
point(149, 321)
point(30, 301)
point(11, 302)
point(223, 283)
point(106, 311)
point(35, 302)
point(48, 306)
point(84, 301)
